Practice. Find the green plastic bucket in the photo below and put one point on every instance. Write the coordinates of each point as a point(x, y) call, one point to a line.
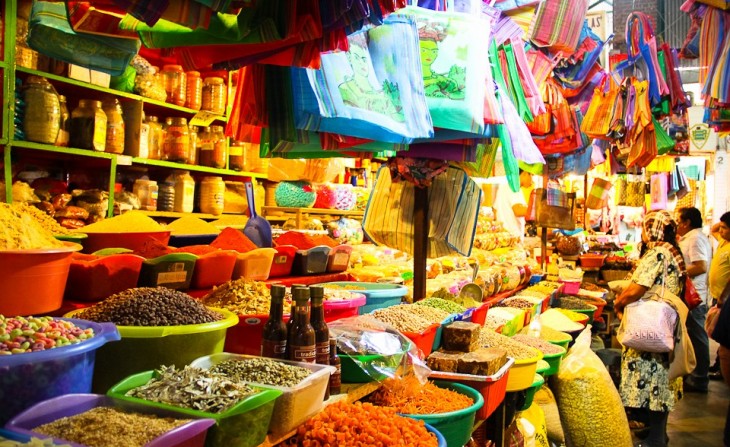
point(455, 426)
point(530, 392)
point(554, 361)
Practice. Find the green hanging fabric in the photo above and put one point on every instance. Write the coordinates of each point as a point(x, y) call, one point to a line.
point(517, 93)
point(662, 109)
point(664, 143)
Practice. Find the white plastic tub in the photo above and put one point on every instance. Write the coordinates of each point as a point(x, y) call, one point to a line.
point(297, 403)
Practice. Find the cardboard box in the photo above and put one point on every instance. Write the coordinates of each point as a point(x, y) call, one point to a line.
point(87, 75)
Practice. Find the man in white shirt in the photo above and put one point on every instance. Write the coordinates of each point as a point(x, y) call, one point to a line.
point(697, 252)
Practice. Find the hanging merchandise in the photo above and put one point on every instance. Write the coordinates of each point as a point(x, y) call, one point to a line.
point(557, 130)
point(515, 87)
point(658, 185)
point(557, 24)
point(527, 80)
point(598, 195)
point(641, 43)
point(362, 92)
point(575, 70)
point(51, 34)
point(554, 208)
point(602, 110)
point(453, 209)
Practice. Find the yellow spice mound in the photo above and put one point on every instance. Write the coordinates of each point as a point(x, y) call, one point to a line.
point(129, 222)
point(191, 225)
point(20, 231)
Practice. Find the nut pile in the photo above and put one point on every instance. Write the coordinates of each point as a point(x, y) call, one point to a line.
point(546, 347)
point(442, 304)
point(518, 303)
point(19, 335)
point(515, 349)
point(103, 426)
point(243, 297)
point(263, 371)
point(193, 388)
point(149, 306)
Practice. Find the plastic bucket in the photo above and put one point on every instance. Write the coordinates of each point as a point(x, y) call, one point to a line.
point(338, 309)
point(426, 339)
point(33, 281)
point(379, 295)
point(190, 434)
point(94, 278)
point(243, 425)
point(255, 264)
point(26, 379)
point(283, 261)
point(213, 269)
point(553, 360)
point(149, 347)
point(439, 437)
point(522, 373)
point(132, 240)
point(537, 382)
point(245, 337)
point(455, 426)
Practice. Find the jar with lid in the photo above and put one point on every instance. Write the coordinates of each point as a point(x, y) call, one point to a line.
point(166, 196)
point(184, 192)
point(175, 87)
point(212, 190)
point(147, 192)
point(205, 145)
point(42, 111)
point(114, 126)
point(156, 138)
point(88, 126)
point(177, 141)
point(64, 123)
point(214, 152)
point(235, 156)
point(193, 159)
point(194, 90)
point(214, 95)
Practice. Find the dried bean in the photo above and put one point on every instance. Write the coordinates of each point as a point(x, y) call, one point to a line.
point(148, 306)
point(410, 318)
point(442, 304)
point(545, 346)
point(573, 303)
point(263, 371)
point(514, 348)
point(517, 303)
point(103, 426)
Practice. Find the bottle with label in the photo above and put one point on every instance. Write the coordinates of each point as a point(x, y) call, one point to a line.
point(156, 138)
point(302, 345)
point(114, 126)
point(177, 141)
point(88, 126)
point(235, 156)
point(273, 342)
point(166, 196)
point(184, 192)
point(146, 191)
point(321, 331)
point(335, 386)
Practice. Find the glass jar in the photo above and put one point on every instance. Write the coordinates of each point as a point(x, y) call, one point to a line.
point(214, 95)
point(42, 111)
point(177, 141)
point(114, 126)
point(166, 196)
point(194, 90)
point(175, 87)
point(184, 192)
point(147, 192)
point(212, 190)
point(193, 159)
point(205, 145)
point(64, 123)
point(235, 156)
point(88, 126)
point(156, 138)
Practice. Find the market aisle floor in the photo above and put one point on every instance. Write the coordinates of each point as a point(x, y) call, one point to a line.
point(698, 419)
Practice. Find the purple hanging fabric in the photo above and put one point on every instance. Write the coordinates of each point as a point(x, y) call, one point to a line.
point(506, 29)
point(598, 154)
point(443, 151)
point(522, 144)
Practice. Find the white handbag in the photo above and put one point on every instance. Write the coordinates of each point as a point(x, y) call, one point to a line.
point(648, 324)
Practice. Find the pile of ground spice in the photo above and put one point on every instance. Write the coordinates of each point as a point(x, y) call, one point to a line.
point(232, 239)
point(304, 241)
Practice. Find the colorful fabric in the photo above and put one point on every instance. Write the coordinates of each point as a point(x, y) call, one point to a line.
point(653, 225)
point(558, 24)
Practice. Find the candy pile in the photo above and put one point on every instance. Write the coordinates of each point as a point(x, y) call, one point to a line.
point(19, 335)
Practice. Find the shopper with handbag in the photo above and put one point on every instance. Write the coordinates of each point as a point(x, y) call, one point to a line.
point(645, 376)
point(697, 252)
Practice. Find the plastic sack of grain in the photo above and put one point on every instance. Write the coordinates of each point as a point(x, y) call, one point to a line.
point(546, 400)
point(531, 423)
point(590, 406)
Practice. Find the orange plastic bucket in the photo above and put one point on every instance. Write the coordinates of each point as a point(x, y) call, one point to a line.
point(33, 281)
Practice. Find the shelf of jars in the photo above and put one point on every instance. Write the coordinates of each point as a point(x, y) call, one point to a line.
point(176, 215)
point(77, 88)
point(125, 161)
point(280, 213)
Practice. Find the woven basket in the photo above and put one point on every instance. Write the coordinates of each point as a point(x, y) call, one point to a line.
point(614, 275)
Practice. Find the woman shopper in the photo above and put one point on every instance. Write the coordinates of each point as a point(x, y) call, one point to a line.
point(721, 334)
point(645, 385)
point(697, 252)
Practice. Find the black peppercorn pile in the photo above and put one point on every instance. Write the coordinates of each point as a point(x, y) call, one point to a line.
point(148, 306)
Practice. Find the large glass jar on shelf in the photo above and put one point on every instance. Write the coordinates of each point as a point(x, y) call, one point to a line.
point(194, 90)
point(64, 123)
point(212, 190)
point(156, 138)
point(114, 126)
point(175, 87)
point(88, 126)
point(214, 95)
point(193, 158)
point(42, 111)
point(235, 155)
point(177, 141)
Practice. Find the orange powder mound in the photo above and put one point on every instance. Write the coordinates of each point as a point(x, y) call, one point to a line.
point(196, 249)
point(152, 248)
point(232, 239)
point(304, 241)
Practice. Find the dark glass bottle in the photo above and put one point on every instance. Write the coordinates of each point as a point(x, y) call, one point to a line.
point(290, 323)
point(302, 342)
point(273, 343)
point(335, 385)
point(321, 331)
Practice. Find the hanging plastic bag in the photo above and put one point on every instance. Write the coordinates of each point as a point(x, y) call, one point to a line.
point(453, 209)
point(362, 92)
point(598, 195)
point(658, 185)
point(50, 34)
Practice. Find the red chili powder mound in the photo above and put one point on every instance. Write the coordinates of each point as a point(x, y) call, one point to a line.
point(304, 241)
point(196, 249)
point(232, 239)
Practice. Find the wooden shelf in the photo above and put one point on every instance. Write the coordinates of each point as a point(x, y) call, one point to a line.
point(98, 88)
